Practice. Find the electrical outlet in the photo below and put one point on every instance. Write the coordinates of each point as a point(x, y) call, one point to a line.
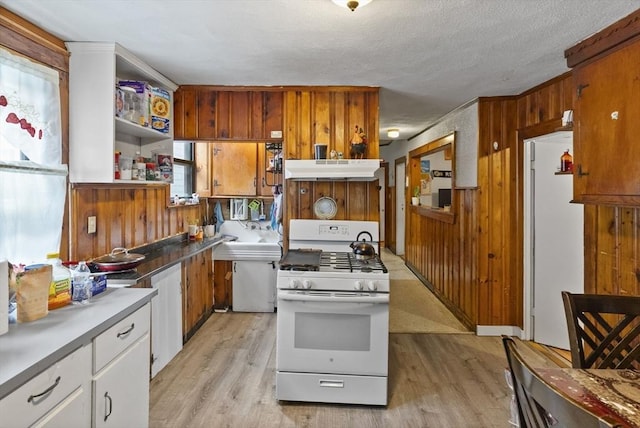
point(91, 224)
point(276, 134)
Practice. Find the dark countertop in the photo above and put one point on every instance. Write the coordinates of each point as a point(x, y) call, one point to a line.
point(164, 254)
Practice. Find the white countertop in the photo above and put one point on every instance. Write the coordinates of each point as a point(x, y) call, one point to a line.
point(29, 348)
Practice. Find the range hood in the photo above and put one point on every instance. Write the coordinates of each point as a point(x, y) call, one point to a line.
point(330, 169)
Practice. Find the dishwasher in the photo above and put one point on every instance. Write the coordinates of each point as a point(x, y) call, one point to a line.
point(254, 286)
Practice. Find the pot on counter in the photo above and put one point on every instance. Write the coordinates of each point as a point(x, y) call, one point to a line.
point(119, 259)
point(363, 250)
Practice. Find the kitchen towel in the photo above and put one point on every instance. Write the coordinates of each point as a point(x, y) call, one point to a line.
point(218, 213)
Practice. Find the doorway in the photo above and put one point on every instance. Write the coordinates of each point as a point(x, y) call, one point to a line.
point(553, 236)
point(401, 184)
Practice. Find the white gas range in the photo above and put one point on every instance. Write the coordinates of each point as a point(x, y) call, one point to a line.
point(333, 316)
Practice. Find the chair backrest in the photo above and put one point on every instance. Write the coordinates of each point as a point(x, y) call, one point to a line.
point(604, 330)
point(539, 404)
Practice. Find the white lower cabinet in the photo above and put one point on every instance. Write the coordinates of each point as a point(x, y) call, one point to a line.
point(166, 318)
point(254, 286)
point(121, 389)
point(60, 396)
point(121, 373)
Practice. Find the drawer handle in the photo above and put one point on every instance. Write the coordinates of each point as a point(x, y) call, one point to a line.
point(46, 391)
point(109, 402)
point(127, 331)
point(331, 383)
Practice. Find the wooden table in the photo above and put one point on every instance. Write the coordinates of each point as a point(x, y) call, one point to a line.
point(613, 395)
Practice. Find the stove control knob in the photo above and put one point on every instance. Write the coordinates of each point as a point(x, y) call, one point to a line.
point(294, 283)
point(306, 284)
point(358, 285)
point(372, 286)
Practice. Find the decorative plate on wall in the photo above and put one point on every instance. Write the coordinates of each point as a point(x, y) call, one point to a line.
point(325, 208)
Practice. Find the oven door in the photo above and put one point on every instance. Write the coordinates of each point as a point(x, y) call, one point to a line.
point(333, 332)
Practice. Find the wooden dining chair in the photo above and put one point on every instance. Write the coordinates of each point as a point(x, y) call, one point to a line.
point(539, 404)
point(604, 330)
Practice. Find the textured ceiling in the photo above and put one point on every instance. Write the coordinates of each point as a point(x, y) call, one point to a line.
point(427, 56)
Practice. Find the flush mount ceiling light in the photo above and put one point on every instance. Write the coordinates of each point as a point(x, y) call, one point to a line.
point(351, 4)
point(393, 133)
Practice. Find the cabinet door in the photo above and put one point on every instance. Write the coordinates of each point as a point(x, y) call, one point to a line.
point(607, 125)
point(206, 118)
point(197, 291)
point(222, 283)
point(254, 286)
point(203, 169)
point(266, 114)
point(121, 389)
point(233, 169)
point(166, 318)
point(185, 114)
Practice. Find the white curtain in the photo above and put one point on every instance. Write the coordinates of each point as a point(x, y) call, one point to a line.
point(32, 178)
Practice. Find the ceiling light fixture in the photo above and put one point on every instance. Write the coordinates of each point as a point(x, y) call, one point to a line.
point(351, 4)
point(393, 133)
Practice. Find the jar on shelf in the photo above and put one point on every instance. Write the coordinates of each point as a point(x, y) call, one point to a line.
point(566, 162)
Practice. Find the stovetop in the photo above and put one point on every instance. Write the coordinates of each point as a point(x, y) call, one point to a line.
point(348, 262)
point(330, 261)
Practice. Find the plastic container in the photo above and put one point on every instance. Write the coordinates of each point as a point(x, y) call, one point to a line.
point(81, 284)
point(60, 289)
point(126, 164)
point(141, 170)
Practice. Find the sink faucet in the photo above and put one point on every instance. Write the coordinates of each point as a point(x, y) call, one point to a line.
point(253, 225)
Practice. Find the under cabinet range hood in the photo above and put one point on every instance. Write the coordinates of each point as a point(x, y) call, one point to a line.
point(331, 169)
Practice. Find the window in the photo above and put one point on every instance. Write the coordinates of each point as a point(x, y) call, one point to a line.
point(32, 178)
point(183, 168)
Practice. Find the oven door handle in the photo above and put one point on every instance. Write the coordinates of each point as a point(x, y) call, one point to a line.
point(377, 299)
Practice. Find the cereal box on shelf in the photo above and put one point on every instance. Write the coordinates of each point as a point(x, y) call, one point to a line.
point(160, 109)
point(165, 167)
point(141, 101)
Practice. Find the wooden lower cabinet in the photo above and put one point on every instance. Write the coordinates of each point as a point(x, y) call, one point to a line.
point(197, 292)
point(223, 283)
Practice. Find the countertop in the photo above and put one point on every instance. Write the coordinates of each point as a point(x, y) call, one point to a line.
point(162, 255)
point(29, 348)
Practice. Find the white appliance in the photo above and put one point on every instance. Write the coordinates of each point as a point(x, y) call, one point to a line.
point(335, 169)
point(333, 316)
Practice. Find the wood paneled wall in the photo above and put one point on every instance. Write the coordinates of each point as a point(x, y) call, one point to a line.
point(329, 116)
point(356, 200)
point(612, 250)
point(476, 265)
point(445, 255)
point(126, 216)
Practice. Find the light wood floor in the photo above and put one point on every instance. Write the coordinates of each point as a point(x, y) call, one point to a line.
point(225, 377)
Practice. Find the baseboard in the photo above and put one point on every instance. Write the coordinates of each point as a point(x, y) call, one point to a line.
point(499, 330)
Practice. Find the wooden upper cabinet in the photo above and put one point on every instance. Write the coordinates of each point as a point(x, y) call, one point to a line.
point(234, 168)
point(329, 116)
point(210, 113)
point(203, 179)
point(606, 129)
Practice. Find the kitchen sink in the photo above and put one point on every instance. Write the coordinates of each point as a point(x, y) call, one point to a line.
point(256, 241)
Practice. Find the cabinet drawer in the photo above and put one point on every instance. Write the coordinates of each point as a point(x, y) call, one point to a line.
point(119, 337)
point(31, 401)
